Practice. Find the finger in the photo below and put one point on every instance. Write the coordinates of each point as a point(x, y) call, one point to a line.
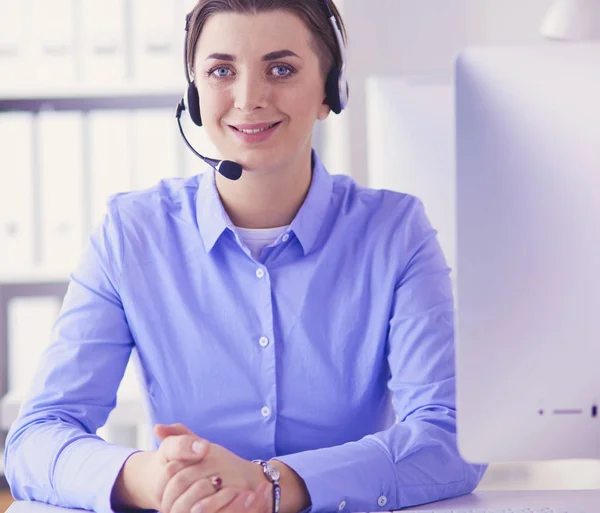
point(216, 501)
point(256, 502)
point(162, 431)
point(184, 448)
point(265, 496)
point(180, 498)
point(169, 471)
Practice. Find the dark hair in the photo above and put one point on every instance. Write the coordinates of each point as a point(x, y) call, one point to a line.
point(314, 13)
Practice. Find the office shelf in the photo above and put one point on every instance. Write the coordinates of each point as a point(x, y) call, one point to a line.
point(38, 275)
point(42, 280)
point(82, 90)
point(89, 98)
point(91, 81)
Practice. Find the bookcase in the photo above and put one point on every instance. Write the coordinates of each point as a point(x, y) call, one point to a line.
point(23, 218)
point(88, 92)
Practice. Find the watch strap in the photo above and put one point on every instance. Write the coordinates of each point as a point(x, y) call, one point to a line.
point(276, 497)
point(274, 482)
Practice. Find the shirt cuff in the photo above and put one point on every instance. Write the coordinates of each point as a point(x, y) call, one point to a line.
point(87, 471)
point(356, 476)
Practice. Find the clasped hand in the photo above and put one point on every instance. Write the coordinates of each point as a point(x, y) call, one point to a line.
point(192, 475)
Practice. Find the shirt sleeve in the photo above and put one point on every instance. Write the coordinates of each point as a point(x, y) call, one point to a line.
point(416, 460)
point(52, 452)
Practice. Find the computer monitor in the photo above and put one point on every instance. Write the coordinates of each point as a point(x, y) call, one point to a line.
point(528, 252)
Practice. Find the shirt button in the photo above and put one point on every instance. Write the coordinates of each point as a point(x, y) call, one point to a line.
point(264, 341)
point(260, 273)
point(286, 237)
point(265, 411)
point(342, 505)
point(382, 501)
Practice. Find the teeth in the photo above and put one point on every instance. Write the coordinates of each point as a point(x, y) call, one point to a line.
point(257, 130)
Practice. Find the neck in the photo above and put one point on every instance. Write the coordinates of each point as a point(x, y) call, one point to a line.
point(266, 199)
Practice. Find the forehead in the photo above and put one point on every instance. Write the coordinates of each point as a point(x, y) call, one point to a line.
point(264, 31)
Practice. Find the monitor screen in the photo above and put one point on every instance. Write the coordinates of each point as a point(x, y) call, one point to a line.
point(528, 252)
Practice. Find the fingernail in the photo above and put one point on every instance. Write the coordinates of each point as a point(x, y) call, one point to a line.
point(249, 501)
point(198, 447)
point(197, 508)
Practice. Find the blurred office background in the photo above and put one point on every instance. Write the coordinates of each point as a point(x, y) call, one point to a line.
point(88, 90)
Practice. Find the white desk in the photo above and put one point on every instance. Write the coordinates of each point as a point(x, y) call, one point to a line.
point(580, 501)
point(587, 501)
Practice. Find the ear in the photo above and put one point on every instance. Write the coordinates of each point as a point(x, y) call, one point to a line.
point(324, 110)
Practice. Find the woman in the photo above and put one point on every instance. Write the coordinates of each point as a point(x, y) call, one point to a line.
point(288, 316)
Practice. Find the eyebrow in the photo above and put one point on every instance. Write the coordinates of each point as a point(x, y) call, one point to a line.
point(268, 57)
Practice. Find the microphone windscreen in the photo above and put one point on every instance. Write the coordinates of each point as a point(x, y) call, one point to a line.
point(229, 169)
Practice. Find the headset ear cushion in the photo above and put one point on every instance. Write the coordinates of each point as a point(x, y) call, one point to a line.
point(193, 104)
point(332, 90)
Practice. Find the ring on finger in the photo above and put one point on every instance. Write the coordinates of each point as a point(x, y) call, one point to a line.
point(216, 483)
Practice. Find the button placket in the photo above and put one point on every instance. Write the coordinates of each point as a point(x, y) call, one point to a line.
point(266, 348)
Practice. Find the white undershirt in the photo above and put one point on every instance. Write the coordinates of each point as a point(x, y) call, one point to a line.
point(258, 238)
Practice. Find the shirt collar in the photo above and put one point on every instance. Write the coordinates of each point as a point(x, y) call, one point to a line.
point(212, 218)
point(210, 215)
point(309, 219)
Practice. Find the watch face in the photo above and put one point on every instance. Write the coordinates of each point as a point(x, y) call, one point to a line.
point(273, 472)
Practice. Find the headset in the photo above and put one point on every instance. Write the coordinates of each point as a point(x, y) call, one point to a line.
point(336, 90)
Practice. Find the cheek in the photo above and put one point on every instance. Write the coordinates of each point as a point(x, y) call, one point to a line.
point(214, 104)
point(302, 104)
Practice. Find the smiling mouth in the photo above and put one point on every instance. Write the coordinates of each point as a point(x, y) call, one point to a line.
point(258, 130)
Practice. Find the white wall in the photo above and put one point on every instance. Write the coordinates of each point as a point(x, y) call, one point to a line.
point(412, 37)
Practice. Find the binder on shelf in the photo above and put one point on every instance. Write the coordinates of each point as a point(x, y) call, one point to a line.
point(14, 66)
point(109, 158)
point(52, 30)
point(17, 225)
point(154, 147)
point(61, 188)
point(157, 41)
point(103, 42)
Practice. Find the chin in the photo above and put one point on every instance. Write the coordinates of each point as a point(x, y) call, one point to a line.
point(260, 159)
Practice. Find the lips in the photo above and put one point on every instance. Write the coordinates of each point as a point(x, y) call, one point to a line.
point(254, 128)
point(255, 133)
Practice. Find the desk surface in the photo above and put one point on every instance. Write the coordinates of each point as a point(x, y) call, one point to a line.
point(582, 501)
point(587, 501)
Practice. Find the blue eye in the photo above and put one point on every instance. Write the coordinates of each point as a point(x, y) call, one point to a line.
point(281, 71)
point(277, 71)
point(220, 72)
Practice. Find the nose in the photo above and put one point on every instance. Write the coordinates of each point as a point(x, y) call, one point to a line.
point(250, 92)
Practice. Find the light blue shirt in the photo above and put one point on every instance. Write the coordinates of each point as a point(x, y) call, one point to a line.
point(306, 355)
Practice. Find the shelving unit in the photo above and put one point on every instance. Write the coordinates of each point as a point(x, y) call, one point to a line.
point(10, 289)
point(85, 99)
point(82, 57)
point(42, 282)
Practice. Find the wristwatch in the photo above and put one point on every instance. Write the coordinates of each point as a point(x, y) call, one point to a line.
point(272, 474)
